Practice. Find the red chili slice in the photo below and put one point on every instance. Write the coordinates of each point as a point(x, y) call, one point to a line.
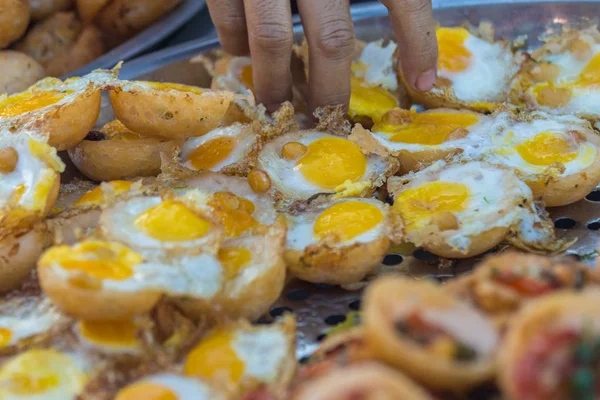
point(545, 354)
point(525, 285)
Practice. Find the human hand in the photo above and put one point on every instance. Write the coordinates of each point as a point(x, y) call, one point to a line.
point(263, 28)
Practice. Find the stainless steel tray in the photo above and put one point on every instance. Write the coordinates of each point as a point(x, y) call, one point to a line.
point(318, 307)
point(147, 38)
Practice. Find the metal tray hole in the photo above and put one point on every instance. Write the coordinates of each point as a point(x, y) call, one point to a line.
point(594, 226)
point(335, 319)
point(565, 223)
point(593, 196)
point(354, 304)
point(423, 255)
point(298, 295)
point(393, 259)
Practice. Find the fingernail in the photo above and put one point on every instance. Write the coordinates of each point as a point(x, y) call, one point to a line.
point(425, 81)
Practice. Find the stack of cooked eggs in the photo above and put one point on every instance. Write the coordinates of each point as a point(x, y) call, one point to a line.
point(143, 286)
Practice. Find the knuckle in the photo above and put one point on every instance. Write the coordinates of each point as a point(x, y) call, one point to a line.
point(273, 37)
point(336, 39)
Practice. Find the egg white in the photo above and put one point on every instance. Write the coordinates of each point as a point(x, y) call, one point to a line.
point(230, 80)
point(301, 226)
point(244, 135)
point(379, 60)
point(263, 351)
point(487, 78)
point(30, 319)
point(30, 171)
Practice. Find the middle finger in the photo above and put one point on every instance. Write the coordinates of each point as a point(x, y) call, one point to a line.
point(271, 39)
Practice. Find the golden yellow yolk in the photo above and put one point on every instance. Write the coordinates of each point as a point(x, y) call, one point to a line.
point(146, 391)
point(110, 333)
point(369, 101)
point(234, 212)
point(418, 205)
point(427, 128)
point(214, 357)
point(47, 154)
point(590, 75)
point(40, 372)
point(453, 55)
point(329, 162)
point(246, 77)
point(28, 101)
point(172, 221)
point(210, 154)
point(347, 220)
point(96, 196)
point(174, 86)
point(100, 260)
point(546, 148)
point(233, 260)
point(5, 337)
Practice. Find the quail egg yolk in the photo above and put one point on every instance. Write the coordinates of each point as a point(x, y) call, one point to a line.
point(158, 222)
point(590, 75)
point(109, 333)
point(146, 391)
point(246, 77)
point(369, 101)
point(329, 162)
point(418, 205)
point(96, 196)
point(427, 128)
point(174, 86)
point(29, 101)
point(234, 212)
point(347, 220)
point(215, 357)
point(5, 337)
point(453, 55)
point(100, 260)
point(41, 373)
point(234, 260)
point(210, 154)
point(546, 148)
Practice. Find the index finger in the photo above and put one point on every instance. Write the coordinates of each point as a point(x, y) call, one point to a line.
point(414, 28)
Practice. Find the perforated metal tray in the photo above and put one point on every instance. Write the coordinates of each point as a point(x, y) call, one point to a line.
point(318, 307)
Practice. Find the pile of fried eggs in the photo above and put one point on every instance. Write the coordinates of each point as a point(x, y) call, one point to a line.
point(256, 200)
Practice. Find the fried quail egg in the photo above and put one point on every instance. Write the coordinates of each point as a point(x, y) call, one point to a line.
point(227, 149)
point(97, 196)
point(562, 76)
point(155, 223)
point(419, 139)
point(473, 73)
point(29, 179)
point(106, 155)
point(305, 163)
point(25, 317)
point(170, 110)
point(43, 374)
point(65, 111)
point(96, 280)
point(556, 155)
point(244, 356)
point(110, 337)
point(459, 210)
point(169, 386)
point(374, 83)
point(339, 242)
point(233, 74)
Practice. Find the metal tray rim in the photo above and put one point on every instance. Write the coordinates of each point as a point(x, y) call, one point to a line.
point(145, 39)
